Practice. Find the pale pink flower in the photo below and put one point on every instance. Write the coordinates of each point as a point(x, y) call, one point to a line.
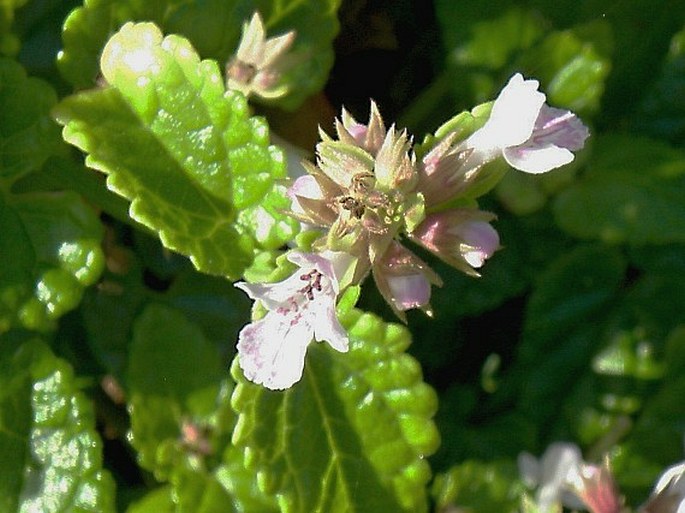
point(259, 61)
point(404, 280)
point(461, 237)
point(301, 308)
point(531, 136)
point(562, 477)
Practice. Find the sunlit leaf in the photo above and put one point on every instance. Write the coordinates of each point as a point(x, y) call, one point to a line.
point(363, 417)
point(52, 455)
point(214, 28)
point(185, 152)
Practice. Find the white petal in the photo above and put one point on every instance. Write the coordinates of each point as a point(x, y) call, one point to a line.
point(271, 351)
point(273, 295)
point(537, 160)
point(512, 118)
point(529, 468)
point(559, 460)
point(672, 476)
point(327, 327)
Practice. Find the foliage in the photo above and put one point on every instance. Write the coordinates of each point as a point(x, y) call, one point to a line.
point(122, 236)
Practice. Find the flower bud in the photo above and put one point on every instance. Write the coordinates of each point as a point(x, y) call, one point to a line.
point(404, 280)
point(462, 238)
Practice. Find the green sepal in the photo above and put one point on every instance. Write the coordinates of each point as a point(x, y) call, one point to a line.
point(52, 455)
point(363, 415)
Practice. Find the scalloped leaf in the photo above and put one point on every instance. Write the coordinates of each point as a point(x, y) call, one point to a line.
point(181, 419)
point(28, 135)
point(170, 399)
point(50, 249)
point(633, 192)
point(185, 152)
point(52, 455)
point(363, 416)
point(214, 27)
point(479, 486)
point(567, 305)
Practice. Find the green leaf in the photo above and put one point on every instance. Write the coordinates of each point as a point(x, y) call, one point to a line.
point(156, 501)
point(562, 329)
point(363, 416)
point(184, 151)
point(571, 67)
point(52, 455)
point(214, 305)
point(631, 193)
point(50, 251)
point(481, 41)
point(181, 419)
point(28, 135)
point(475, 486)
point(170, 399)
point(487, 47)
point(662, 111)
point(241, 484)
point(9, 43)
point(108, 311)
point(636, 69)
point(214, 28)
point(642, 456)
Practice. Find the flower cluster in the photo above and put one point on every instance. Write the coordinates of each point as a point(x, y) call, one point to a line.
point(367, 192)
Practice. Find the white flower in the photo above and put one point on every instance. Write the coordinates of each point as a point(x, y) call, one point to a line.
point(551, 474)
point(564, 478)
point(531, 136)
point(669, 492)
point(271, 351)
